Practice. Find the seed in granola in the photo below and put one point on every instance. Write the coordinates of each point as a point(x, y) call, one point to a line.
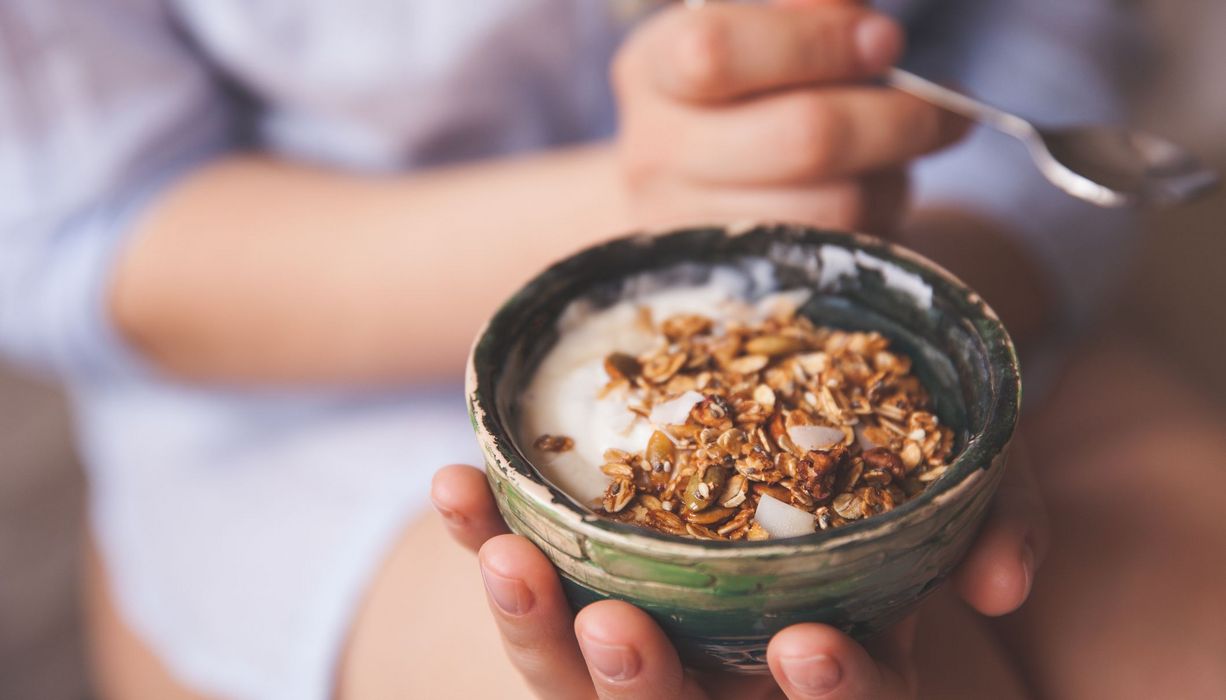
point(848, 506)
point(748, 364)
point(650, 502)
point(877, 477)
point(711, 411)
point(859, 406)
point(850, 476)
point(776, 492)
point(660, 368)
point(710, 516)
point(874, 500)
point(708, 436)
point(779, 435)
point(773, 345)
point(737, 525)
point(619, 493)
point(619, 365)
point(665, 521)
point(757, 532)
point(684, 326)
point(703, 487)
point(660, 452)
point(618, 469)
point(701, 532)
point(732, 441)
point(765, 397)
point(827, 518)
point(816, 472)
point(786, 463)
point(881, 459)
point(755, 464)
point(554, 443)
point(734, 491)
point(616, 455)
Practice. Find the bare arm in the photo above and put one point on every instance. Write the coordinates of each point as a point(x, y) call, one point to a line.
point(254, 269)
point(257, 270)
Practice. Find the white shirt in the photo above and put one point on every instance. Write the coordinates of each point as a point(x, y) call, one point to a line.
point(240, 527)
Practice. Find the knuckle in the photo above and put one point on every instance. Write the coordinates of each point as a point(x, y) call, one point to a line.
point(703, 58)
point(835, 54)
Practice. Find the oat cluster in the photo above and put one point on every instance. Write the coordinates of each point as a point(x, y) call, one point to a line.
point(828, 421)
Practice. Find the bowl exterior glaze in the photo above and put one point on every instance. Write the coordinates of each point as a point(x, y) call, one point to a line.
point(720, 603)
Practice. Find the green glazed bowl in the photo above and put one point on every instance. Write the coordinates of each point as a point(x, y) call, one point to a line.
point(720, 602)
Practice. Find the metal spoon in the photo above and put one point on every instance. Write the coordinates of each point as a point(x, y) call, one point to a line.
point(1110, 166)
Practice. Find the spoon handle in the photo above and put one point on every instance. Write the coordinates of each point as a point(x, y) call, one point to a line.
point(961, 104)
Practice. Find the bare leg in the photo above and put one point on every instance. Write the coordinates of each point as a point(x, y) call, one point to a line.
point(422, 632)
point(1131, 602)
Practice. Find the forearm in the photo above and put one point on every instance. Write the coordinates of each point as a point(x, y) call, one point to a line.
point(258, 270)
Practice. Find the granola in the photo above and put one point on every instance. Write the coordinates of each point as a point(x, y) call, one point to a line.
point(831, 423)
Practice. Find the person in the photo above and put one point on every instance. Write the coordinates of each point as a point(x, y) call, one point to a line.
point(248, 236)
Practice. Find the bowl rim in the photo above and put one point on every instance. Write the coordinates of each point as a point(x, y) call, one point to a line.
point(978, 456)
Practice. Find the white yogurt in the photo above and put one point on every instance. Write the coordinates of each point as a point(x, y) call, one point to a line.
point(563, 397)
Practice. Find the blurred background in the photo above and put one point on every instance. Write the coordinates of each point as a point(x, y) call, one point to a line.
point(1173, 305)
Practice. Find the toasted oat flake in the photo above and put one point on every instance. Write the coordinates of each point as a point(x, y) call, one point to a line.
point(554, 443)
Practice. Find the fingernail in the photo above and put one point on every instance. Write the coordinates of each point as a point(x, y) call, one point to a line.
point(813, 675)
point(613, 661)
point(879, 41)
point(510, 595)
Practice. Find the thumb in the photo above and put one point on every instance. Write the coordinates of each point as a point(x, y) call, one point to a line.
point(812, 661)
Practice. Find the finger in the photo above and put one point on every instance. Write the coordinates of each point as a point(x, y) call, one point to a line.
point(872, 204)
point(997, 574)
point(817, 661)
point(629, 657)
point(794, 137)
point(462, 496)
point(724, 51)
point(534, 618)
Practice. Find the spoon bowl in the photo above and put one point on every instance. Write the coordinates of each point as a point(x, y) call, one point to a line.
point(1116, 166)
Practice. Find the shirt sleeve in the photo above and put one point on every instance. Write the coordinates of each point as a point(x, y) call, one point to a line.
point(102, 105)
point(1055, 62)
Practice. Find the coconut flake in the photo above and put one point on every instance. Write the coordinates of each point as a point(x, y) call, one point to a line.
point(815, 437)
point(675, 411)
point(782, 520)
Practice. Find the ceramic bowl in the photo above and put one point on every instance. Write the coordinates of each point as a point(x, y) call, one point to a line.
point(720, 602)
